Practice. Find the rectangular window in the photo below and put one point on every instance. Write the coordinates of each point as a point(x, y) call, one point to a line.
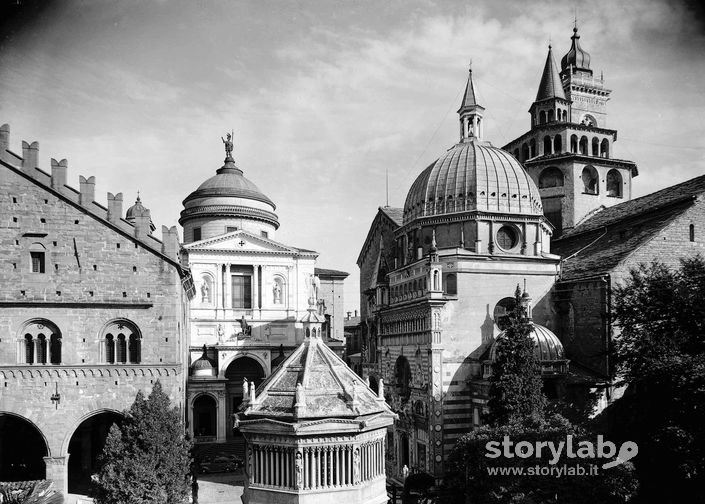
point(230, 229)
point(196, 234)
point(265, 234)
point(37, 262)
point(242, 291)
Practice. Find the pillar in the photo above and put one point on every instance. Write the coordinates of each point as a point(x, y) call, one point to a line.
point(221, 415)
point(220, 280)
point(57, 471)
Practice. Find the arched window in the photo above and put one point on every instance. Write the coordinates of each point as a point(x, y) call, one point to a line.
point(542, 117)
point(436, 281)
point(550, 116)
point(547, 144)
point(121, 343)
point(451, 284)
point(551, 177)
point(614, 183)
point(37, 257)
point(524, 152)
point(565, 116)
point(402, 373)
point(532, 148)
point(557, 144)
point(605, 148)
point(595, 147)
point(574, 143)
point(584, 145)
point(590, 180)
point(40, 343)
point(558, 115)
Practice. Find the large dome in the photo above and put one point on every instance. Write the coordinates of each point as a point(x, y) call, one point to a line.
point(227, 200)
point(547, 346)
point(473, 176)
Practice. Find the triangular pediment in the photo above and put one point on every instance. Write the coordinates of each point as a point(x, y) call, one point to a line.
point(242, 241)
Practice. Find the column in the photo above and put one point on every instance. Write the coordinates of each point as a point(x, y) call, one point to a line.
point(338, 460)
point(57, 471)
point(220, 280)
point(324, 453)
point(228, 302)
point(221, 415)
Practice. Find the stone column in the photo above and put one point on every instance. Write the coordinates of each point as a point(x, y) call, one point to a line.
point(220, 293)
point(255, 288)
point(221, 414)
point(57, 471)
point(228, 288)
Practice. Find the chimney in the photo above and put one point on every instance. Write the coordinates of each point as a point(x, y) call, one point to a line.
point(59, 170)
point(349, 313)
point(170, 242)
point(142, 225)
point(356, 313)
point(30, 157)
point(114, 207)
point(87, 195)
point(4, 138)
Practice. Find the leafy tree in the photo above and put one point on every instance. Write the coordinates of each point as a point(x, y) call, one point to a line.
point(660, 356)
point(146, 459)
point(515, 385)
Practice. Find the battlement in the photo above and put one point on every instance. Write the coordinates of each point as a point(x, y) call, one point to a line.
point(56, 182)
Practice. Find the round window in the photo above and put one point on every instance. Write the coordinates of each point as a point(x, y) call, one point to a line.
point(507, 237)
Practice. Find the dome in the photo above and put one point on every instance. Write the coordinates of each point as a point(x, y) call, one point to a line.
point(547, 346)
point(203, 367)
point(576, 56)
point(228, 195)
point(136, 210)
point(473, 176)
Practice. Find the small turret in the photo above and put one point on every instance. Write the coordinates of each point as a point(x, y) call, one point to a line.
point(470, 112)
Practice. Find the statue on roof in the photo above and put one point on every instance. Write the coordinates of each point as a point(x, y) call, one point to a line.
point(228, 141)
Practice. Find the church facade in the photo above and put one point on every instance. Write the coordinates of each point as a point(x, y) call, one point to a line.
point(94, 308)
point(251, 296)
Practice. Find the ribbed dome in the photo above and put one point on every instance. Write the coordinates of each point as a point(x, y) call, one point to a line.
point(203, 367)
point(473, 176)
point(136, 210)
point(547, 346)
point(229, 194)
point(576, 56)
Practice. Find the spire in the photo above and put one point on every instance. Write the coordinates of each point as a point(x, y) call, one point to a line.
point(550, 86)
point(470, 113)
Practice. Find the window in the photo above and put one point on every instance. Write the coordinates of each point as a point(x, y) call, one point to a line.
point(557, 144)
point(614, 184)
point(590, 180)
point(37, 255)
point(230, 229)
point(40, 343)
point(551, 177)
point(242, 291)
point(595, 147)
point(547, 144)
point(451, 284)
point(692, 232)
point(507, 238)
point(122, 343)
point(265, 234)
point(196, 234)
point(402, 373)
point(605, 148)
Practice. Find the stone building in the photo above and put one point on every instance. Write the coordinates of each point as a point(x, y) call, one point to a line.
point(434, 284)
point(93, 309)
point(251, 296)
point(315, 431)
point(568, 152)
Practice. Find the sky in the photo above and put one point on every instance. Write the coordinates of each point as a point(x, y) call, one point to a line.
point(326, 97)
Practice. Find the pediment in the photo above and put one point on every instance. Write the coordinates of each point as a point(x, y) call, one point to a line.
point(241, 241)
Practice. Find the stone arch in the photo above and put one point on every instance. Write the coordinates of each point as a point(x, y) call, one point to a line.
point(583, 145)
point(205, 416)
point(26, 446)
point(120, 341)
point(550, 116)
point(574, 144)
point(551, 177)
point(547, 145)
point(614, 183)
point(39, 341)
point(595, 147)
point(77, 423)
point(542, 117)
point(591, 180)
point(402, 376)
point(605, 148)
point(83, 445)
point(557, 144)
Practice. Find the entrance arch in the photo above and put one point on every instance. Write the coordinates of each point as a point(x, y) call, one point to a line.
point(22, 449)
point(205, 416)
point(239, 369)
point(85, 446)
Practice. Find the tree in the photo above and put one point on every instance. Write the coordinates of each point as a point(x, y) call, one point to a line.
point(516, 389)
point(146, 459)
point(660, 357)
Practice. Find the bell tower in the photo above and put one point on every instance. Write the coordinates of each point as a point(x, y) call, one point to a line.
point(470, 112)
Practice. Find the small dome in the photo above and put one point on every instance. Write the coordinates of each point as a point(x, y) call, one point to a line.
point(576, 56)
point(136, 210)
point(473, 176)
point(547, 346)
point(203, 366)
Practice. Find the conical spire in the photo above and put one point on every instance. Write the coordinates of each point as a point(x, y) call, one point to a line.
point(550, 86)
point(469, 98)
point(470, 113)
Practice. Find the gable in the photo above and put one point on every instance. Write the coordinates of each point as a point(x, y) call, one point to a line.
point(244, 242)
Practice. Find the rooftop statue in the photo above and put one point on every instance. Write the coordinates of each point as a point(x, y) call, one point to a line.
point(228, 141)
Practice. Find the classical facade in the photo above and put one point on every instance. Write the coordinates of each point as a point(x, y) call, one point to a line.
point(94, 308)
point(251, 296)
point(568, 152)
point(434, 284)
point(315, 431)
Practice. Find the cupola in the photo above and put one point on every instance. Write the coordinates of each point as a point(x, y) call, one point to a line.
point(576, 59)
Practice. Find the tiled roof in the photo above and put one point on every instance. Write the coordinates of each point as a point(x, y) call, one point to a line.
point(329, 388)
point(330, 272)
point(396, 214)
point(602, 242)
point(550, 86)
